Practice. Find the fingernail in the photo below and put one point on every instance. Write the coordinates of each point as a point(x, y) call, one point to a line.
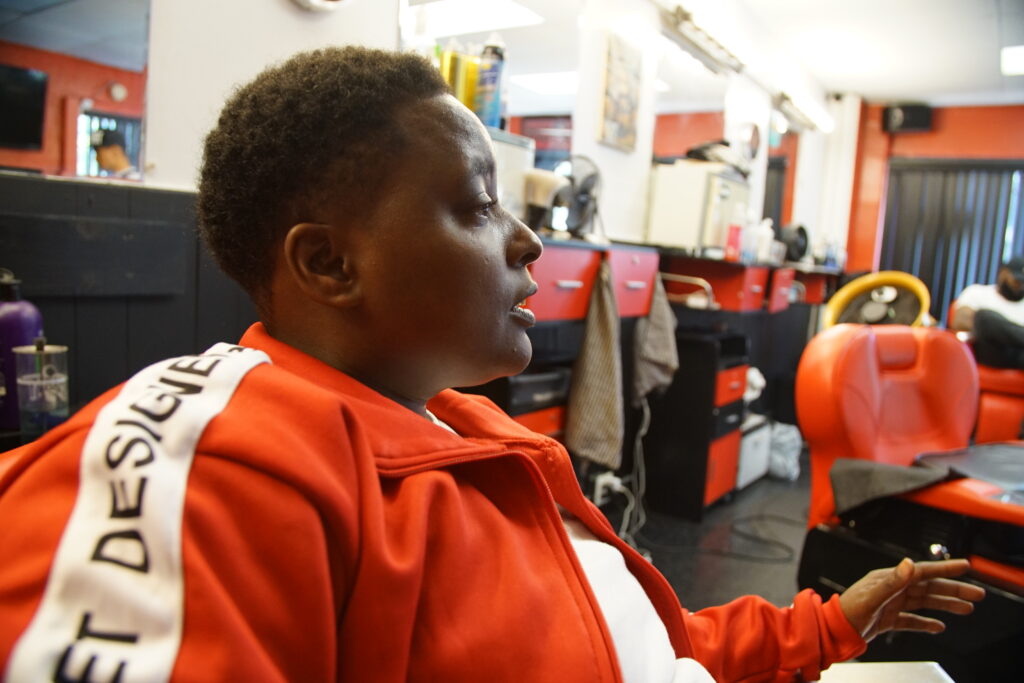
point(905, 568)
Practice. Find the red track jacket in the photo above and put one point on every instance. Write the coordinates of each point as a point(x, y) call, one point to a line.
point(226, 518)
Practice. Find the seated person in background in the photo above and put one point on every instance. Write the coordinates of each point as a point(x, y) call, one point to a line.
point(111, 157)
point(994, 317)
point(315, 503)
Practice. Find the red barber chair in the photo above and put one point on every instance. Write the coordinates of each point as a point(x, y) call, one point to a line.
point(1000, 402)
point(870, 400)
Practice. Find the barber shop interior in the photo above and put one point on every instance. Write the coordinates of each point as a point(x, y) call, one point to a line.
point(777, 327)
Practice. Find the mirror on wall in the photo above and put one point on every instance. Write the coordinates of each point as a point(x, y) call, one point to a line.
point(690, 103)
point(537, 44)
point(73, 77)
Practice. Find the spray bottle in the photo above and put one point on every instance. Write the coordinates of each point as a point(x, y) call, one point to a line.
point(487, 103)
point(20, 323)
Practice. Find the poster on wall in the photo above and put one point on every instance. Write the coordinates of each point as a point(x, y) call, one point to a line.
point(621, 94)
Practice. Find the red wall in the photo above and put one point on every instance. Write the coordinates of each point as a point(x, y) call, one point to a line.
point(674, 134)
point(70, 81)
point(957, 133)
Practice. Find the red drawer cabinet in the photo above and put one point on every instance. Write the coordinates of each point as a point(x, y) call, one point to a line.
point(693, 444)
point(736, 287)
point(633, 273)
point(778, 296)
point(730, 385)
point(565, 277)
point(548, 421)
point(815, 284)
point(723, 463)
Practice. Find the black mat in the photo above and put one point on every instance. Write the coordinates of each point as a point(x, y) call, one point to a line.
point(1001, 464)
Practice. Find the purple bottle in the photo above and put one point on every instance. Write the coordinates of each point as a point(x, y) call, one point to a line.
point(20, 323)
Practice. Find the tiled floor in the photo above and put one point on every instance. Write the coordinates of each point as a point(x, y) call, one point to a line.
point(749, 544)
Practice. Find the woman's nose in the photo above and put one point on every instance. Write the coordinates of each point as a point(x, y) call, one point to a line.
point(526, 246)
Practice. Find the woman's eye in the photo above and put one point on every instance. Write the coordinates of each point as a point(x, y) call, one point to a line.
point(485, 204)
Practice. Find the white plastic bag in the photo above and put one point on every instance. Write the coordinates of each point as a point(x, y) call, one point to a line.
point(784, 458)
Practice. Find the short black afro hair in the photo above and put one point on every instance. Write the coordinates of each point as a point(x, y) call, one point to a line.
point(319, 128)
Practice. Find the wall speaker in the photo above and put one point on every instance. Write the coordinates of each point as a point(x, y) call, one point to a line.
point(905, 118)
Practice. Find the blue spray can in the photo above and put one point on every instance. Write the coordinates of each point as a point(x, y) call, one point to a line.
point(487, 102)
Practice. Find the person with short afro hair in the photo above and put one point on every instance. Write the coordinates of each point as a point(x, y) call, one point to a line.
point(315, 502)
point(318, 128)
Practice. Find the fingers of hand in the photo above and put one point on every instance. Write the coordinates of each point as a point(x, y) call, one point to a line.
point(941, 602)
point(946, 591)
point(915, 622)
point(941, 569)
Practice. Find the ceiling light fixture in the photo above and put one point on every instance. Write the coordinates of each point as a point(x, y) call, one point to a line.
point(1011, 60)
point(801, 120)
point(551, 83)
point(458, 17)
point(678, 27)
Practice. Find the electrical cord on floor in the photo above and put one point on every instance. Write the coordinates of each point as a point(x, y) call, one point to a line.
point(786, 552)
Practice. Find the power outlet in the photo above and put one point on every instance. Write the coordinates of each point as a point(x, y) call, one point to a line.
point(604, 484)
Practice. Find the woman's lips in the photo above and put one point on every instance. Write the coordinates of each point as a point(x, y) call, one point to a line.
point(523, 314)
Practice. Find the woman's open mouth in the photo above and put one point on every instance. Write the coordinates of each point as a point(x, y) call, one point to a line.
point(523, 314)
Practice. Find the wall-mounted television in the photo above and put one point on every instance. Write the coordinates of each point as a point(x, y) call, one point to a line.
point(23, 103)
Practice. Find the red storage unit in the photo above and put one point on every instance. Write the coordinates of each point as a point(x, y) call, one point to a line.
point(693, 444)
point(816, 285)
point(633, 273)
point(778, 295)
point(549, 421)
point(736, 287)
point(723, 463)
point(730, 384)
point(565, 276)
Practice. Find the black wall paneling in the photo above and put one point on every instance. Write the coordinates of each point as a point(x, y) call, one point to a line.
point(119, 274)
point(775, 187)
point(951, 223)
point(95, 256)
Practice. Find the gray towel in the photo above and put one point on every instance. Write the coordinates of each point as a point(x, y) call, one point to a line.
point(656, 358)
point(858, 481)
point(594, 423)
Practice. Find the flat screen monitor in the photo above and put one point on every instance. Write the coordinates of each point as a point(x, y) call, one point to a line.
point(23, 103)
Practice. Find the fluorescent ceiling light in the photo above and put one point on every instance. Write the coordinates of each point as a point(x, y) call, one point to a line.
point(1012, 60)
point(553, 83)
point(456, 17)
point(661, 86)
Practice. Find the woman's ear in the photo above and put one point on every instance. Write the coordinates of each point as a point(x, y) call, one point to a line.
point(317, 258)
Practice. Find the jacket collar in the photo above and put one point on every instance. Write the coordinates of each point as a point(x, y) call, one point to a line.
point(401, 440)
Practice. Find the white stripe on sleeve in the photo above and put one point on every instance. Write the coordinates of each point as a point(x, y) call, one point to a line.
point(112, 608)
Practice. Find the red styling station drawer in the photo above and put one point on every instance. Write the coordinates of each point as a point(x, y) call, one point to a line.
point(723, 463)
point(778, 295)
point(565, 277)
point(633, 273)
point(730, 385)
point(549, 421)
point(816, 285)
point(736, 287)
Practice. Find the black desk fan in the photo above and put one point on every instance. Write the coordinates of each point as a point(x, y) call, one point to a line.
point(585, 179)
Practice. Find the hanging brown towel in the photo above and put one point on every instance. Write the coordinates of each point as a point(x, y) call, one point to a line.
point(594, 424)
point(656, 358)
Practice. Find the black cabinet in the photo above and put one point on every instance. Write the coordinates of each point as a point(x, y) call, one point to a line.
point(692, 446)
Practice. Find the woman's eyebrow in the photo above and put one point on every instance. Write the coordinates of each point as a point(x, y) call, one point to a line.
point(482, 165)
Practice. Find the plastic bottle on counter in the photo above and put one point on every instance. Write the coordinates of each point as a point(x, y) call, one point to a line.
point(487, 103)
point(466, 83)
point(450, 58)
point(20, 324)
